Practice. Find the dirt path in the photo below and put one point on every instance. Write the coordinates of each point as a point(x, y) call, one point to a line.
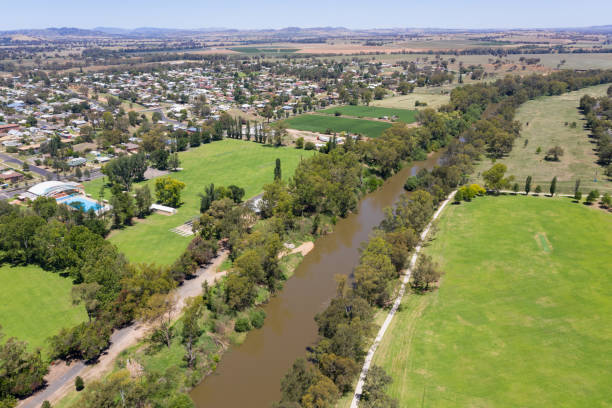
point(60, 379)
point(396, 304)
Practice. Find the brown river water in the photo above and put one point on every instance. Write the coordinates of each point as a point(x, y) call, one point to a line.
point(249, 374)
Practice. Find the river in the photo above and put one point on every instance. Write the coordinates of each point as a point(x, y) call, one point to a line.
point(249, 374)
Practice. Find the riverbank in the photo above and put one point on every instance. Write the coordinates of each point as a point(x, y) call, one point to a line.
point(61, 376)
point(521, 306)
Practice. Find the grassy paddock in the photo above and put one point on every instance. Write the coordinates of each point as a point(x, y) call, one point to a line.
point(320, 123)
point(546, 117)
point(404, 115)
point(246, 164)
point(522, 314)
point(36, 304)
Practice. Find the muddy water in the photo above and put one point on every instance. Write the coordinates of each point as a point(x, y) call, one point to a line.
point(249, 374)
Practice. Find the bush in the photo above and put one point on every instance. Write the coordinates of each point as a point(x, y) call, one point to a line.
point(257, 318)
point(592, 197)
point(578, 196)
point(411, 184)
point(338, 113)
point(79, 384)
point(45, 404)
point(242, 325)
point(299, 143)
point(309, 146)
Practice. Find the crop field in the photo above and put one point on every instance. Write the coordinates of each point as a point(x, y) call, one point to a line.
point(521, 317)
point(321, 124)
point(546, 117)
point(404, 115)
point(248, 165)
point(36, 304)
point(264, 50)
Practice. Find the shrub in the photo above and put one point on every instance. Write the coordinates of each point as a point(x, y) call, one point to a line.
point(45, 404)
point(242, 325)
point(338, 113)
point(578, 196)
point(411, 184)
point(79, 384)
point(257, 318)
point(592, 197)
point(538, 189)
point(299, 143)
point(309, 146)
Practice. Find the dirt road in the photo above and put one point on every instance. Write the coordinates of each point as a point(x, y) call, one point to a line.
point(60, 380)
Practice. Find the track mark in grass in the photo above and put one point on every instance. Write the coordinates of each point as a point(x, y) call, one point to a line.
point(543, 242)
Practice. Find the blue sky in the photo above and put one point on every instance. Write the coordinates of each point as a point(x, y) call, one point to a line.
point(310, 13)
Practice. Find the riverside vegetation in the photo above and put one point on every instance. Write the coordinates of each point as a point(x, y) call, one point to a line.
point(324, 186)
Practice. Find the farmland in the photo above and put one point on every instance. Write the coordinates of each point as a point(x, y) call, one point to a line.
point(36, 304)
point(322, 124)
point(404, 115)
point(520, 317)
point(226, 162)
point(547, 117)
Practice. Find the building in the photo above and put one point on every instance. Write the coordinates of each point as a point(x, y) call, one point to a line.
point(11, 176)
point(77, 161)
point(4, 128)
point(56, 189)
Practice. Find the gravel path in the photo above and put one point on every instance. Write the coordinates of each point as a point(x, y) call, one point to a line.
point(396, 304)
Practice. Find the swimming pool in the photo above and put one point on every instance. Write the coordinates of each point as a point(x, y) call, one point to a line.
point(77, 201)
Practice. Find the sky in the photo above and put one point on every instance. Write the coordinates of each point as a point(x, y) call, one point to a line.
point(257, 14)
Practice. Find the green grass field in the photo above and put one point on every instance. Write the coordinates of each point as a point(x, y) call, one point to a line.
point(404, 115)
point(246, 164)
point(522, 316)
point(321, 123)
point(547, 117)
point(36, 304)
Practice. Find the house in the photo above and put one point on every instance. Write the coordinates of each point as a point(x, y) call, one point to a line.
point(11, 176)
point(131, 148)
point(4, 128)
point(77, 161)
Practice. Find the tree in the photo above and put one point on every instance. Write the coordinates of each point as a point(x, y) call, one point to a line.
point(192, 330)
point(577, 189)
point(425, 273)
point(299, 143)
point(87, 293)
point(606, 200)
point(578, 195)
point(554, 153)
point(46, 404)
point(21, 371)
point(494, 177)
point(297, 381)
point(277, 170)
point(553, 186)
point(373, 395)
point(174, 162)
point(79, 384)
point(159, 158)
point(538, 189)
point(528, 185)
point(158, 312)
point(143, 201)
point(322, 394)
point(168, 191)
point(515, 187)
point(239, 291)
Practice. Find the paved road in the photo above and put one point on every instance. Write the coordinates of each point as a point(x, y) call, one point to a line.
point(34, 169)
point(163, 115)
point(120, 340)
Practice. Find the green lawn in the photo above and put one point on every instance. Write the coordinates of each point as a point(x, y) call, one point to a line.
point(522, 316)
point(404, 115)
point(36, 304)
point(321, 123)
point(546, 117)
point(246, 164)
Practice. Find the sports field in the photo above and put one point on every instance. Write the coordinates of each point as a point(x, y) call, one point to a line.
point(546, 117)
point(36, 304)
point(522, 316)
point(246, 164)
point(404, 115)
point(323, 123)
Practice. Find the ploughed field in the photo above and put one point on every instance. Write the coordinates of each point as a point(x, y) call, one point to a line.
point(248, 165)
point(522, 315)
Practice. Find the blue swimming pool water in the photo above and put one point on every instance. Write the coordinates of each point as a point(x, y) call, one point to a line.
point(76, 201)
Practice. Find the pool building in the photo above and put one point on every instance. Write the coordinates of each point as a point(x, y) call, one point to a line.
point(66, 192)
